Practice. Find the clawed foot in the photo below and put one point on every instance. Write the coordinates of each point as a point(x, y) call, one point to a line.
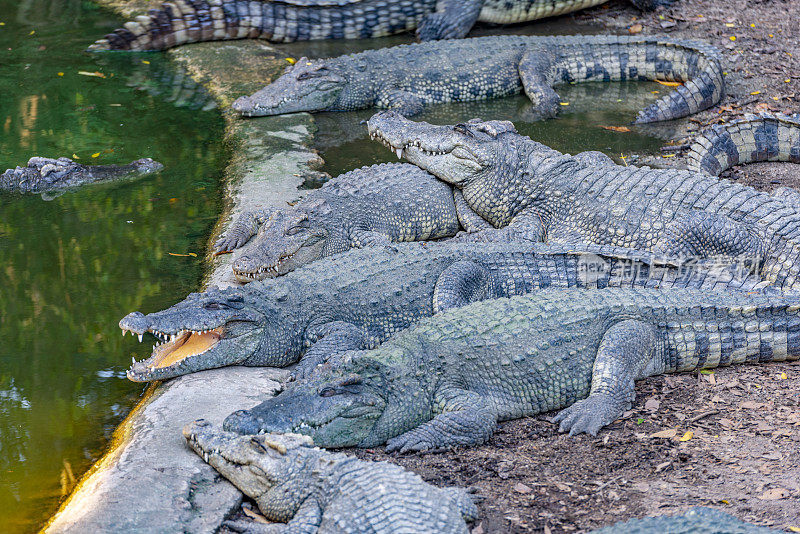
point(412, 441)
point(227, 244)
point(588, 415)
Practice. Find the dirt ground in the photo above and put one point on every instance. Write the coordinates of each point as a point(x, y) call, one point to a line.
point(743, 455)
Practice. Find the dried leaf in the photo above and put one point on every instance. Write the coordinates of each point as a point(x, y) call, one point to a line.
point(636, 28)
point(59, 73)
point(774, 494)
point(145, 62)
point(751, 405)
point(96, 74)
point(686, 437)
point(563, 103)
point(192, 254)
point(291, 60)
point(652, 404)
point(755, 93)
point(522, 488)
point(616, 128)
point(794, 529)
point(96, 155)
point(783, 376)
point(665, 434)
point(669, 84)
point(75, 156)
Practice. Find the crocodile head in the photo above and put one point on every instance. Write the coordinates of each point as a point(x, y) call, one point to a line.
point(255, 464)
point(216, 328)
point(456, 154)
point(288, 240)
point(45, 174)
point(305, 86)
point(353, 400)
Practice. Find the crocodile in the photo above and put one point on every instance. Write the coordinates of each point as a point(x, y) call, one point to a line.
point(316, 491)
point(359, 298)
point(491, 67)
point(46, 175)
point(282, 21)
point(698, 520)
point(762, 137)
point(448, 380)
point(370, 206)
point(536, 193)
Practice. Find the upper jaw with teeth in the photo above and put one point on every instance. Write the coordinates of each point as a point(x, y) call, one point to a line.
point(376, 136)
point(264, 271)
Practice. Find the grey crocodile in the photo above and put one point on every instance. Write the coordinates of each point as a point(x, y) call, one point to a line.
point(492, 67)
point(370, 206)
point(762, 137)
point(46, 175)
point(316, 491)
point(359, 298)
point(697, 520)
point(449, 379)
point(282, 21)
point(537, 193)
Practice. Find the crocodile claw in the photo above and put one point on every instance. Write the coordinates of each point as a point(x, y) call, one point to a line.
point(409, 442)
point(588, 415)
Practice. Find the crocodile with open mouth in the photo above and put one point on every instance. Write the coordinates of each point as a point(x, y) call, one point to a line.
point(370, 206)
point(492, 67)
point(539, 194)
point(449, 379)
point(316, 491)
point(360, 298)
point(190, 21)
point(48, 175)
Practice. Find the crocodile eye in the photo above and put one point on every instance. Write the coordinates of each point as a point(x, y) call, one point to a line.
point(294, 230)
point(327, 392)
point(215, 306)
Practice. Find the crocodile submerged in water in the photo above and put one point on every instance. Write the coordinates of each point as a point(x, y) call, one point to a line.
point(359, 298)
point(370, 206)
point(492, 67)
point(539, 194)
point(316, 491)
point(449, 379)
point(283, 21)
point(696, 521)
point(763, 137)
point(48, 175)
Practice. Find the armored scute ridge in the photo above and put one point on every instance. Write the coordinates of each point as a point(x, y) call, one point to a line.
point(492, 67)
point(360, 298)
point(448, 380)
point(375, 205)
point(763, 137)
point(46, 175)
point(321, 492)
point(189, 21)
point(538, 194)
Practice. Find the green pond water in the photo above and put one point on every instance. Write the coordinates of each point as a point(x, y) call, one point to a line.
point(71, 267)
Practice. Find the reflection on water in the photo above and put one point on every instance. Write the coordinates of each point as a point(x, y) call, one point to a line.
point(70, 268)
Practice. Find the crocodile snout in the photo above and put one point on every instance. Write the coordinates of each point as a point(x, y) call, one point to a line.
point(135, 322)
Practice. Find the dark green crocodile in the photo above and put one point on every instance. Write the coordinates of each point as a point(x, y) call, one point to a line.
point(316, 491)
point(763, 137)
point(189, 21)
point(359, 298)
point(448, 380)
point(537, 193)
point(48, 175)
point(700, 520)
point(492, 67)
point(373, 205)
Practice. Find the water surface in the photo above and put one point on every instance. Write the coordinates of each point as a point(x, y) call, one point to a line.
point(71, 267)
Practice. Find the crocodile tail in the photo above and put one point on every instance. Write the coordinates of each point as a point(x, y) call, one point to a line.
point(611, 58)
point(190, 21)
point(763, 137)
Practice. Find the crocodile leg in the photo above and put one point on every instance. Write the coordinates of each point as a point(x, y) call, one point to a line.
point(786, 194)
point(470, 221)
point(329, 339)
point(368, 238)
point(460, 284)
point(404, 102)
point(524, 227)
point(703, 234)
point(453, 19)
point(533, 69)
point(245, 227)
point(466, 418)
point(624, 352)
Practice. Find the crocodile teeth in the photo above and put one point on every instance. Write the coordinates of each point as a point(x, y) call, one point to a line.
point(399, 153)
point(140, 337)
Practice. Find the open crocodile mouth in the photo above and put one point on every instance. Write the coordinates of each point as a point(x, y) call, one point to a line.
point(377, 136)
point(268, 271)
point(174, 348)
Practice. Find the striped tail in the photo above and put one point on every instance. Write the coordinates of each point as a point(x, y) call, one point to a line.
point(609, 58)
point(763, 137)
point(283, 21)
